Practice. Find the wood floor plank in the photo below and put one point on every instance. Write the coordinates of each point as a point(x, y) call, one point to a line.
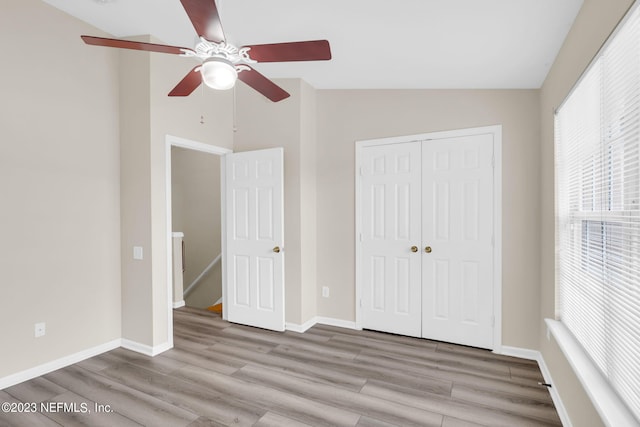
point(158, 364)
point(274, 337)
point(140, 407)
point(485, 355)
point(206, 422)
point(98, 363)
point(307, 336)
point(186, 395)
point(371, 406)
point(274, 420)
point(207, 360)
point(392, 338)
point(393, 375)
point(385, 362)
point(451, 362)
point(286, 404)
point(532, 373)
point(358, 344)
point(531, 408)
point(77, 418)
point(29, 419)
point(371, 422)
point(224, 374)
point(489, 417)
point(343, 379)
point(37, 390)
point(218, 337)
point(455, 422)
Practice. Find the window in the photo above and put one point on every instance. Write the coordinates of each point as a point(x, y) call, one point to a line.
point(597, 132)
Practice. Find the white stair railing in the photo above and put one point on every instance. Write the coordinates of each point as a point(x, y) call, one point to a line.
point(194, 284)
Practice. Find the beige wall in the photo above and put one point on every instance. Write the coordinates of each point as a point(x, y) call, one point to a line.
point(592, 26)
point(346, 116)
point(308, 207)
point(145, 310)
point(195, 194)
point(135, 194)
point(59, 187)
point(289, 124)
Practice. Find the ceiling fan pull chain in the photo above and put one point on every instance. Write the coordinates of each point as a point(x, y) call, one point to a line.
point(202, 104)
point(235, 127)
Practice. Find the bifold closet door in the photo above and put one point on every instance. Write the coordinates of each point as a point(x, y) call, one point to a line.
point(390, 238)
point(457, 233)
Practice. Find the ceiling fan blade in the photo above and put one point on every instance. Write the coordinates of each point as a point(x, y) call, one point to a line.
point(205, 19)
point(126, 44)
point(314, 50)
point(262, 84)
point(188, 84)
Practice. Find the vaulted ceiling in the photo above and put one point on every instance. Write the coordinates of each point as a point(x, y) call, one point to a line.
point(375, 44)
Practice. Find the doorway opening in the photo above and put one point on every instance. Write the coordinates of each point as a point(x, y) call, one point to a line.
point(195, 206)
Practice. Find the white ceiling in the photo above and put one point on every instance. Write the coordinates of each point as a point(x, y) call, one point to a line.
point(375, 44)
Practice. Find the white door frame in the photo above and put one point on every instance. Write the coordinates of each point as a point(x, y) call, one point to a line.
point(174, 141)
point(496, 131)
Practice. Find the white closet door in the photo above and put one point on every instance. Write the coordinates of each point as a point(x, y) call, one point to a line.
point(390, 189)
point(254, 259)
point(457, 212)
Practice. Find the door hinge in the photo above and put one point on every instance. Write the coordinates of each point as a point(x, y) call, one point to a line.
point(361, 170)
point(361, 237)
point(361, 303)
point(493, 240)
point(493, 321)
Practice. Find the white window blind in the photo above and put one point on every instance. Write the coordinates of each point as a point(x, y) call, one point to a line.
point(597, 132)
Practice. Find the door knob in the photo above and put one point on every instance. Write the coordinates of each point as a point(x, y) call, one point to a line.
point(276, 249)
point(414, 249)
point(428, 249)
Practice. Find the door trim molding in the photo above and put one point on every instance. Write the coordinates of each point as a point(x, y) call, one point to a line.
point(175, 141)
point(496, 131)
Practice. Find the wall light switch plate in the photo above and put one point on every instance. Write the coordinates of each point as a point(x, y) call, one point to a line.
point(325, 292)
point(137, 252)
point(40, 329)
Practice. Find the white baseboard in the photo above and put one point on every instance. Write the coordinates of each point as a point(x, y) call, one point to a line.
point(522, 353)
point(63, 362)
point(525, 353)
point(145, 349)
point(294, 327)
point(322, 321)
point(555, 396)
point(178, 304)
point(348, 324)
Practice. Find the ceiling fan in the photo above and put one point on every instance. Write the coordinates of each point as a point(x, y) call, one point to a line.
point(223, 63)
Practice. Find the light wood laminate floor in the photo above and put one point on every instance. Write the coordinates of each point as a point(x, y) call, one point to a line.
point(222, 374)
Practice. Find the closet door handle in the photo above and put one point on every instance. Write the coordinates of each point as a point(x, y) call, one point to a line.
point(276, 249)
point(428, 249)
point(414, 249)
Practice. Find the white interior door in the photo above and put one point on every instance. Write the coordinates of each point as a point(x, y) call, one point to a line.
point(390, 188)
point(457, 211)
point(254, 258)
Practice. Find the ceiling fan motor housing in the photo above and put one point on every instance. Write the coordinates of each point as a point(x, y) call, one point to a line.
point(218, 73)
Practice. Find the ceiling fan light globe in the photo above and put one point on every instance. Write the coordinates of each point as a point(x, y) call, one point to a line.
point(219, 74)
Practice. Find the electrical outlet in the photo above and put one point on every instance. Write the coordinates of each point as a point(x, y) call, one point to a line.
point(40, 329)
point(325, 292)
